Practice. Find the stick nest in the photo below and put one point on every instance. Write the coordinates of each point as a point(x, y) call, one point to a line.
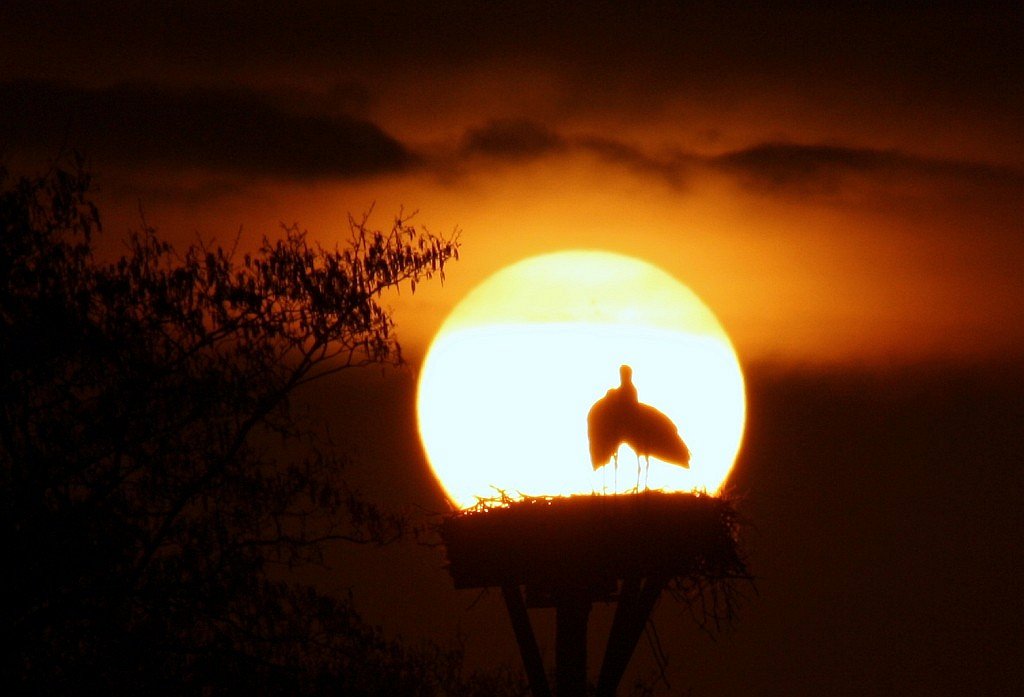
point(594, 541)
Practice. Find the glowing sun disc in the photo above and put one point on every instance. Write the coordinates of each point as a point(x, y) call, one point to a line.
point(506, 385)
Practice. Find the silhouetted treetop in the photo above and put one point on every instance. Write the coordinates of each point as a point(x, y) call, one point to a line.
point(144, 504)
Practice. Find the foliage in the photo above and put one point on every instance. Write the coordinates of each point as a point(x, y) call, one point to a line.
point(144, 507)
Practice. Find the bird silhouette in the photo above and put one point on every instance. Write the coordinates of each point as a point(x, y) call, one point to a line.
point(619, 417)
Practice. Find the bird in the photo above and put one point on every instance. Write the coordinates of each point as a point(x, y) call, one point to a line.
point(619, 417)
point(604, 422)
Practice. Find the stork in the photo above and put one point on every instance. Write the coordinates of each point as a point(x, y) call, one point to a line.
point(619, 417)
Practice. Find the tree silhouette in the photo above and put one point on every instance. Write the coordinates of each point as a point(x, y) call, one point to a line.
point(146, 499)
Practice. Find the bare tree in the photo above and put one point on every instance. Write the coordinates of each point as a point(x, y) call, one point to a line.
point(142, 506)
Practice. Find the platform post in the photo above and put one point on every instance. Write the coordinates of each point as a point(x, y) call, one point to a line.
point(526, 640)
point(572, 612)
point(636, 601)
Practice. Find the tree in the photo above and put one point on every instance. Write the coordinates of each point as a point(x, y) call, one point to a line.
point(144, 503)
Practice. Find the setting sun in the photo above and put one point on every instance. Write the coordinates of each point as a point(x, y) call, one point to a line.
point(509, 379)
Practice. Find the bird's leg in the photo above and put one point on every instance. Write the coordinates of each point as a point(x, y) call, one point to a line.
point(637, 489)
point(615, 482)
point(647, 474)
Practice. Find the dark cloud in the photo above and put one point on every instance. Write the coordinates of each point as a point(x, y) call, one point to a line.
point(518, 140)
point(512, 140)
point(608, 54)
point(778, 167)
point(224, 130)
point(673, 168)
point(859, 67)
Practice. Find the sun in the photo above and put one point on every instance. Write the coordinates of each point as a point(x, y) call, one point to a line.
point(508, 380)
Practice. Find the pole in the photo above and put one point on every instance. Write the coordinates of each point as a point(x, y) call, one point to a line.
point(527, 641)
point(636, 602)
point(572, 610)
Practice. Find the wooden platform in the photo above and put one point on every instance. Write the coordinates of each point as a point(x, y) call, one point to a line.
point(569, 552)
point(592, 542)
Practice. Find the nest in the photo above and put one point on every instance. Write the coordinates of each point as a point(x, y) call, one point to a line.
point(594, 541)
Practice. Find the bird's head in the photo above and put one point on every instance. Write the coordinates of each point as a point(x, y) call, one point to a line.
point(625, 374)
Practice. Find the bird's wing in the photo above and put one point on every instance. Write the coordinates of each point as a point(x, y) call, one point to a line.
point(602, 432)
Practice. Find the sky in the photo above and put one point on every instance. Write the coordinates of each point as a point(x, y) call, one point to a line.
point(842, 183)
point(838, 183)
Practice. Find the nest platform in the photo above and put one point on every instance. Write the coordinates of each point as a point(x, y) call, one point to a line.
point(569, 552)
point(592, 541)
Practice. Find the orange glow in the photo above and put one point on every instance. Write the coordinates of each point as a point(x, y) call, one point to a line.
point(795, 280)
point(507, 383)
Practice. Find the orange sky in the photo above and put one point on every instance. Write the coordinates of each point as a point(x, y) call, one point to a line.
point(846, 188)
point(863, 269)
point(839, 185)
